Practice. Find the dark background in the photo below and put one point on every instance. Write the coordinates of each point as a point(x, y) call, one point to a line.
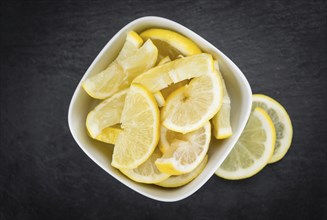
point(46, 47)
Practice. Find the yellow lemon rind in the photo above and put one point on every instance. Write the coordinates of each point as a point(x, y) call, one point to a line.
point(186, 46)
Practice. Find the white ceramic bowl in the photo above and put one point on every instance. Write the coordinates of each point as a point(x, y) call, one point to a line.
point(236, 83)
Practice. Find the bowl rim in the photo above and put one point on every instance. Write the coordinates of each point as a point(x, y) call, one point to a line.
point(139, 21)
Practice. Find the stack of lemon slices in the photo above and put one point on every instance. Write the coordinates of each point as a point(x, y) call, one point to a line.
point(163, 100)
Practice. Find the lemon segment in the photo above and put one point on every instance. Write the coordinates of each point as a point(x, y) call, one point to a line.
point(253, 150)
point(191, 106)
point(131, 62)
point(105, 114)
point(140, 123)
point(109, 135)
point(185, 152)
point(221, 121)
point(162, 76)
point(147, 172)
point(282, 123)
point(180, 180)
point(171, 43)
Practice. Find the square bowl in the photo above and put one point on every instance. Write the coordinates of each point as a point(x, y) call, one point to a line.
point(237, 86)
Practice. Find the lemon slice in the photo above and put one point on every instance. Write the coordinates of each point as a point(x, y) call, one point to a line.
point(147, 172)
point(180, 180)
point(105, 114)
point(120, 73)
point(253, 150)
point(170, 43)
point(191, 106)
point(185, 152)
point(282, 123)
point(140, 123)
point(221, 121)
point(109, 135)
point(162, 76)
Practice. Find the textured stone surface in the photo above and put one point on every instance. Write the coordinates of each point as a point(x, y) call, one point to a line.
point(46, 46)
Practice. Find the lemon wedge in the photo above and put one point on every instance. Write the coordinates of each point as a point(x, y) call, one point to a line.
point(221, 121)
point(282, 123)
point(131, 62)
point(105, 114)
point(191, 106)
point(160, 77)
point(170, 43)
point(253, 150)
point(185, 152)
point(140, 123)
point(180, 180)
point(147, 172)
point(132, 43)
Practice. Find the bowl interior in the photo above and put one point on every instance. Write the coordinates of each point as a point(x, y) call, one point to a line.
point(237, 86)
